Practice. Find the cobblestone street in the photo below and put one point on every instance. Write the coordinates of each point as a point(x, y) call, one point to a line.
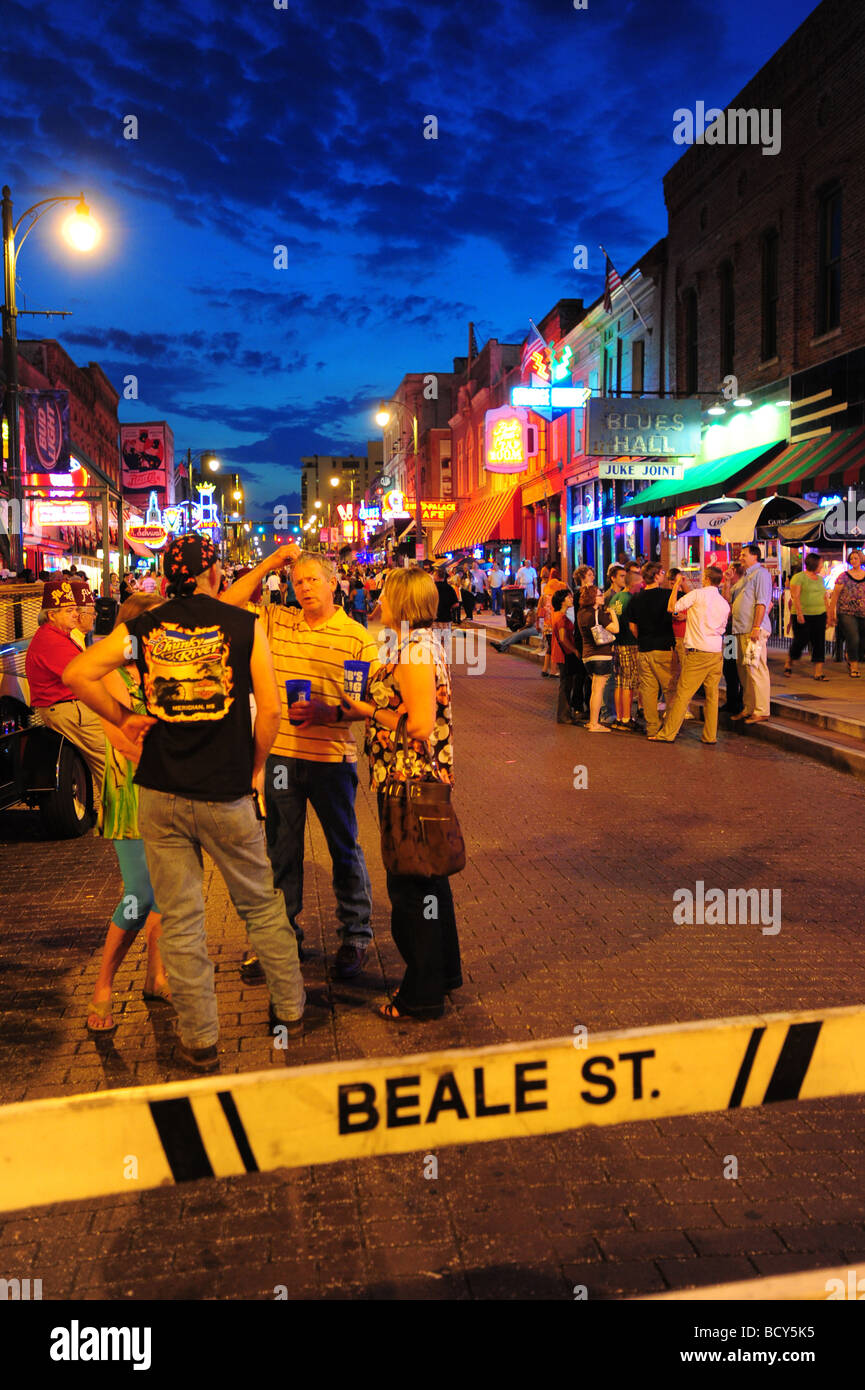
point(566, 917)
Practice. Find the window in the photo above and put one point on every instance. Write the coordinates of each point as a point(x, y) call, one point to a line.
point(638, 366)
point(619, 367)
point(689, 306)
point(769, 295)
point(829, 260)
point(727, 317)
point(609, 364)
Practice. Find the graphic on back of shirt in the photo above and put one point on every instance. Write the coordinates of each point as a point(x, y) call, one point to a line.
point(188, 676)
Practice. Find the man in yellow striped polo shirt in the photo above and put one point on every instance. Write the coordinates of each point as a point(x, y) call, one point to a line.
point(314, 760)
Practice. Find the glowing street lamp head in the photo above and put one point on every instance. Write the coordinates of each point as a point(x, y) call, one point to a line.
point(80, 229)
point(214, 464)
point(317, 505)
point(334, 482)
point(382, 417)
point(238, 496)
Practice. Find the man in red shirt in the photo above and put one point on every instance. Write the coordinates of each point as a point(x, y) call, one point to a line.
point(51, 649)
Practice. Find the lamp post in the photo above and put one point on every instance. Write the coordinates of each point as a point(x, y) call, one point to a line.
point(82, 233)
point(382, 418)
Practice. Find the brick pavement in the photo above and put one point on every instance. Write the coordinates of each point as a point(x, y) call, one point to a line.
point(565, 914)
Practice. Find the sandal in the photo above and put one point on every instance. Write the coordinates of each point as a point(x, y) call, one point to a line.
point(156, 996)
point(390, 1012)
point(101, 1011)
point(824, 677)
point(788, 670)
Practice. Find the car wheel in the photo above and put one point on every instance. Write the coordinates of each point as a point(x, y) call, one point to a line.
point(67, 812)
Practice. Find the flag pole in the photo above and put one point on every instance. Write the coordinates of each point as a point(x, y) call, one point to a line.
point(626, 290)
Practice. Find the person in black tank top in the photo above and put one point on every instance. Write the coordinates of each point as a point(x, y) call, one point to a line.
point(200, 774)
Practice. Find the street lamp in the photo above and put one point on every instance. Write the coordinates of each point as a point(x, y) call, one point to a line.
point(382, 419)
point(82, 233)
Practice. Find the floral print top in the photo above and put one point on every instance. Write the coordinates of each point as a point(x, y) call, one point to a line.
point(431, 760)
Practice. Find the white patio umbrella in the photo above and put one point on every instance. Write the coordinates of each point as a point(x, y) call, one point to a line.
point(742, 527)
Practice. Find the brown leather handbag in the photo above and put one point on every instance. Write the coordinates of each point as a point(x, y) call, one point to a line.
point(420, 833)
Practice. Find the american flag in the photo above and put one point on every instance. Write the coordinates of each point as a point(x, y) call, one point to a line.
point(535, 344)
point(612, 283)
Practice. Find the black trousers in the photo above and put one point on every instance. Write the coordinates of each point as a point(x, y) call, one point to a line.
point(811, 633)
point(424, 927)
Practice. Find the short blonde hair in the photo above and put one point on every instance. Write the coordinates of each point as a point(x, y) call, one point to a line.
point(412, 597)
point(137, 603)
point(307, 557)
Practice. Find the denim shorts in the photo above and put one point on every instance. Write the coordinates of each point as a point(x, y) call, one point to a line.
point(598, 665)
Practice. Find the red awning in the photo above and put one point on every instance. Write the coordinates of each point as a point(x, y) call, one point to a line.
point(808, 466)
point(495, 517)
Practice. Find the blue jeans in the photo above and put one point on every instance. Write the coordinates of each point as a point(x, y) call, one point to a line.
point(853, 631)
point(175, 830)
point(330, 787)
point(496, 599)
point(522, 635)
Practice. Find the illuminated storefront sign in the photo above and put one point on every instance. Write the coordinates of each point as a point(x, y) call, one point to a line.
point(550, 363)
point(157, 526)
point(506, 442)
point(551, 397)
point(152, 536)
point(639, 468)
point(645, 427)
point(63, 514)
point(393, 505)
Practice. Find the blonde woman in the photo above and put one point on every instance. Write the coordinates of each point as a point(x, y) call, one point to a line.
point(118, 822)
point(415, 682)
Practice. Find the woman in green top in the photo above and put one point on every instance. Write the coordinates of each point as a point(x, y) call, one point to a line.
point(118, 822)
point(810, 602)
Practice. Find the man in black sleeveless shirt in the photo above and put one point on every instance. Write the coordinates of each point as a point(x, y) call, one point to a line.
point(200, 771)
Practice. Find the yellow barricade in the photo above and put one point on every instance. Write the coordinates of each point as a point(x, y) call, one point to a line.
point(143, 1137)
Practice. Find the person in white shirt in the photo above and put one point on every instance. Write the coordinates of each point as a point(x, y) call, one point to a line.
point(527, 578)
point(272, 584)
point(496, 579)
point(703, 660)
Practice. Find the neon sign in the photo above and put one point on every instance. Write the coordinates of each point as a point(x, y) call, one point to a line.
point(550, 397)
point(540, 366)
point(63, 514)
point(549, 363)
point(506, 442)
point(393, 505)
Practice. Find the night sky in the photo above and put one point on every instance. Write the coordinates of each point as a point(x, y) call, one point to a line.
point(303, 127)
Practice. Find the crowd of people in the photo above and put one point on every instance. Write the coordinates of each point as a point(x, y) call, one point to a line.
point(192, 746)
point(632, 654)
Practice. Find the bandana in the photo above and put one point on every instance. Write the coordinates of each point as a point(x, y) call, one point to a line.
point(186, 557)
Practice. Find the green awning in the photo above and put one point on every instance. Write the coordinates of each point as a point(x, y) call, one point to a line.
point(702, 481)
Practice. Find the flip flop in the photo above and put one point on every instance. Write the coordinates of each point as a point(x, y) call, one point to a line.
point(102, 1011)
point(156, 996)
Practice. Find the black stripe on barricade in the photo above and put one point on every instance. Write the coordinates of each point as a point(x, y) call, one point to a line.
point(235, 1124)
point(792, 1065)
point(181, 1139)
point(745, 1069)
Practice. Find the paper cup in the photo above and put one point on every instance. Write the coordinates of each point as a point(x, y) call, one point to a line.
point(355, 679)
point(297, 690)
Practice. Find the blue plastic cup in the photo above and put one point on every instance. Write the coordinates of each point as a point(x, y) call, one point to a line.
point(355, 679)
point(297, 690)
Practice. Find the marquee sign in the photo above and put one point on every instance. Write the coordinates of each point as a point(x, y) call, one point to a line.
point(551, 397)
point(393, 505)
point(152, 536)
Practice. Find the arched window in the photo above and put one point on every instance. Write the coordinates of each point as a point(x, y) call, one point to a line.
point(691, 360)
point(769, 294)
point(727, 316)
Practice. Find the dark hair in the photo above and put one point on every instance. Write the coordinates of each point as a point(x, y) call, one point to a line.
point(559, 599)
point(650, 571)
point(671, 574)
point(752, 549)
point(813, 562)
point(715, 575)
point(613, 570)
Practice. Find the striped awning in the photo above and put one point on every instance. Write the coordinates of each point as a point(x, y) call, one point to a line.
point(701, 482)
point(816, 465)
point(492, 518)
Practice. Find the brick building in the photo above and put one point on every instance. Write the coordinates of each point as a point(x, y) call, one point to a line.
point(94, 432)
point(767, 273)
